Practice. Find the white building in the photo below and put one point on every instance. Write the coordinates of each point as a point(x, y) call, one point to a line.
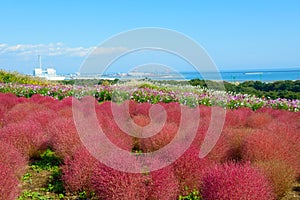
point(49, 73)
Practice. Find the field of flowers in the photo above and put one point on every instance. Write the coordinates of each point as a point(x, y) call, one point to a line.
point(256, 157)
point(147, 92)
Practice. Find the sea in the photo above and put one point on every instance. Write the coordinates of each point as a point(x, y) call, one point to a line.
point(229, 76)
point(241, 76)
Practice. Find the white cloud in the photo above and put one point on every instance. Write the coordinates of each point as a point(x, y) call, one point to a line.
point(55, 49)
point(108, 50)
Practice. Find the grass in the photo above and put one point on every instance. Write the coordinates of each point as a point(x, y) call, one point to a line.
point(194, 195)
point(42, 181)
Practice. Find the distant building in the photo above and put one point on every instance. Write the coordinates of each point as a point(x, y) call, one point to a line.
point(37, 72)
point(49, 73)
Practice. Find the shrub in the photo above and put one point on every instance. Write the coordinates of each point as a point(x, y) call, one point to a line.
point(27, 137)
point(235, 182)
point(65, 103)
point(263, 145)
point(77, 171)
point(159, 140)
point(8, 100)
point(42, 117)
point(141, 120)
point(113, 184)
point(9, 189)
point(290, 136)
point(237, 117)
point(21, 111)
point(258, 120)
point(163, 185)
point(13, 159)
point(3, 110)
point(64, 137)
point(235, 138)
point(136, 108)
point(111, 129)
point(173, 111)
point(221, 151)
point(280, 174)
point(46, 101)
point(189, 169)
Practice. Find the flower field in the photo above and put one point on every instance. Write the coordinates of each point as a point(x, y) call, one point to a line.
point(256, 156)
point(147, 92)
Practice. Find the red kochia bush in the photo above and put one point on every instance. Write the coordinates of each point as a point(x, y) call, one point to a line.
point(9, 189)
point(64, 137)
point(259, 120)
point(160, 139)
point(8, 100)
point(10, 157)
point(20, 111)
point(110, 127)
point(109, 183)
point(237, 117)
point(136, 108)
point(42, 117)
point(27, 137)
point(189, 169)
point(280, 175)
point(235, 138)
point(235, 182)
point(46, 101)
point(263, 145)
point(77, 171)
point(163, 184)
point(173, 111)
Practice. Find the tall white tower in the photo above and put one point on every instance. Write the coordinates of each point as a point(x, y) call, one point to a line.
point(40, 61)
point(38, 71)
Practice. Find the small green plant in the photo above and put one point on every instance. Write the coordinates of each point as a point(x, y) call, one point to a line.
point(82, 195)
point(194, 195)
point(47, 161)
point(55, 183)
point(28, 194)
point(27, 177)
point(61, 196)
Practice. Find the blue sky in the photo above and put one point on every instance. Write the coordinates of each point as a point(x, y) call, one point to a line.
point(237, 34)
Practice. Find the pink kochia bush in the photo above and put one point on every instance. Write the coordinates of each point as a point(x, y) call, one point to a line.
point(109, 183)
point(77, 171)
point(8, 100)
point(266, 138)
point(263, 145)
point(13, 159)
point(27, 137)
point(63, 135)
point(189, 169)
point(107, 114)
point(113, 184)
point(9, 189)
point(280, 175)
point(21, 111)
point(235, 182)
point(259, 120)
point(164, 184)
